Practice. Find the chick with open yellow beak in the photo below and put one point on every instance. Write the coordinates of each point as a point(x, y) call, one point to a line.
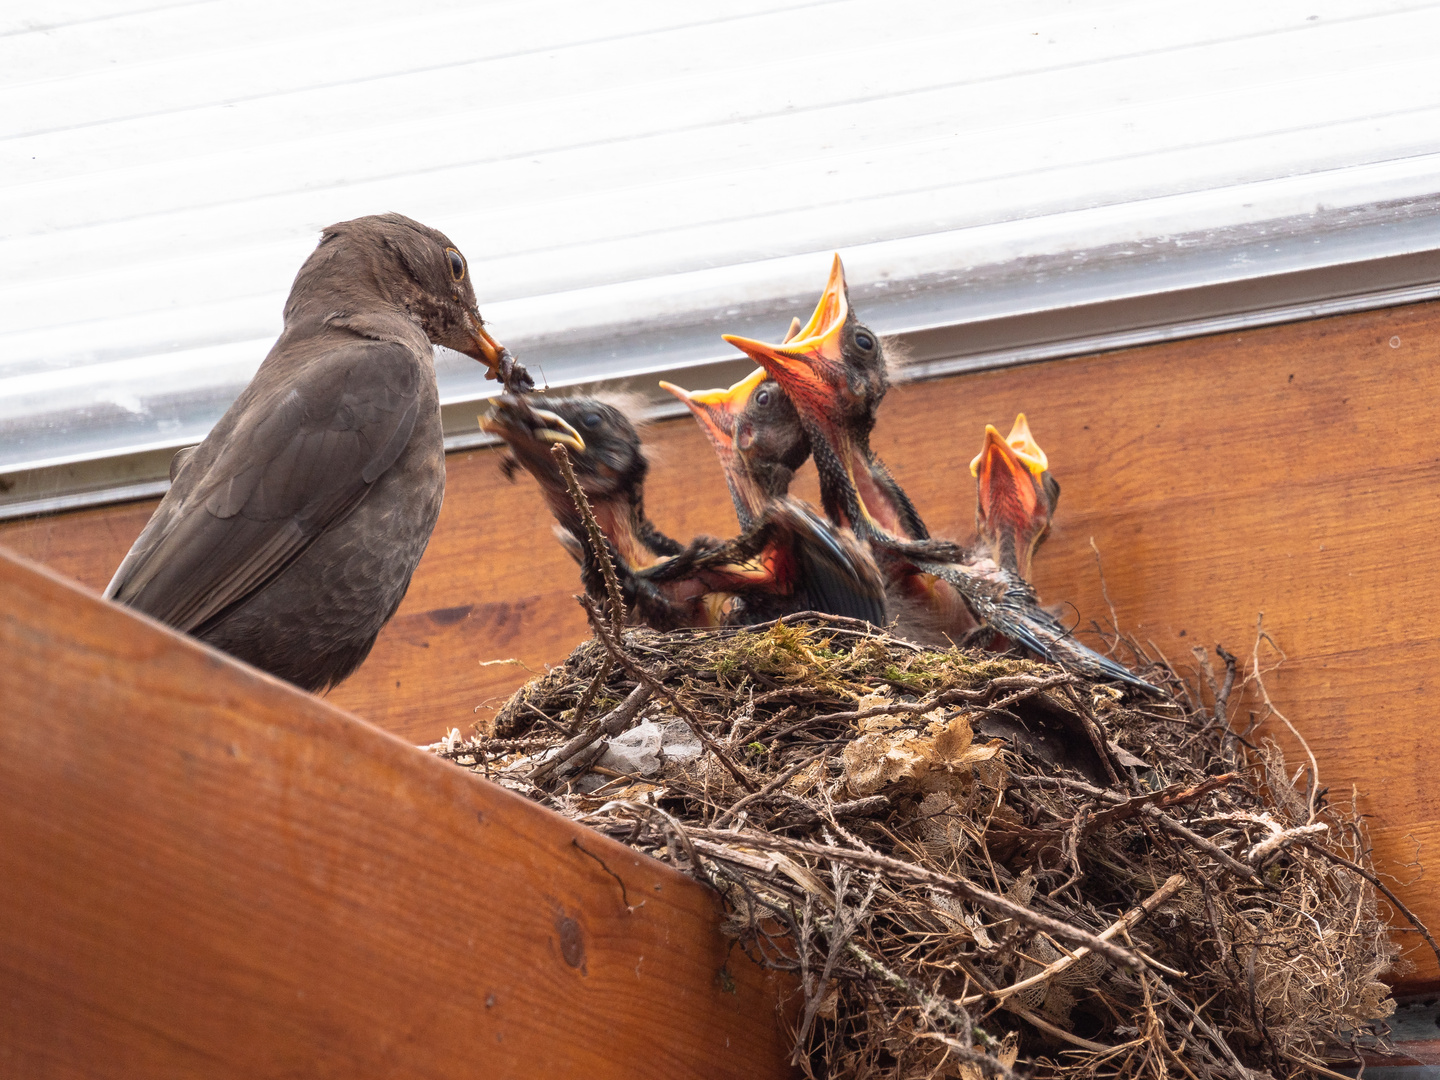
point(834, 372)
point(1015, 496)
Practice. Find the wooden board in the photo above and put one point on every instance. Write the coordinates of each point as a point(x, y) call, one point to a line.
point(1290, 470)
point(209, 873)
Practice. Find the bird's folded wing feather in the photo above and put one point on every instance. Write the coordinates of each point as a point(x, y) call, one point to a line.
point(298, 460)
point(1005, 602)
point(789, 551)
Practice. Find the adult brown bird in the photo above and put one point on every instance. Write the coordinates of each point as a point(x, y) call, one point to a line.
point(835, 373)
point(788, 561)
point(1015, 496)
point(289, 536)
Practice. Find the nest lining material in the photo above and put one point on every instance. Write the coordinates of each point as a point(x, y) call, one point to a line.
point(973, 865)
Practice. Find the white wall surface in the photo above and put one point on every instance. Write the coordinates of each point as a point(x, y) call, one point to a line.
point(165, 167)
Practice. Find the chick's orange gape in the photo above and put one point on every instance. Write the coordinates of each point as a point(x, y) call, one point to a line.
point(1015, 496)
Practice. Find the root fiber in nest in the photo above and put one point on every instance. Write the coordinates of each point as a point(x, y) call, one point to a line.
point(973, 865)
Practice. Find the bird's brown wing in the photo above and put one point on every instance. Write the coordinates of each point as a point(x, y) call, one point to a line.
point(299, 459)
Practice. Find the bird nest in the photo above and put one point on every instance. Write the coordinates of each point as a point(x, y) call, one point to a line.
point(972, 865)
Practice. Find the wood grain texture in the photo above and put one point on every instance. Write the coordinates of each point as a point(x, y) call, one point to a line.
point(1290, 470)
point(209, 873)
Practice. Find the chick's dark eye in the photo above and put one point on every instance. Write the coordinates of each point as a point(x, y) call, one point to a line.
point(591, 419)
point(457, 264)
point(762, 398)
point(864, 340)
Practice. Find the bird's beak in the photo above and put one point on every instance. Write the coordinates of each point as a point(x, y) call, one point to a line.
point(1005, 488)
point(1020, 444)
point(498, 361)
point(513, 417)
point(556, 430)
point(717, 410)
point(1024, 444)
point(809, 366)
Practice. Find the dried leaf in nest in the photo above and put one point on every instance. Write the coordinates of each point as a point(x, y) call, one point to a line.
point(890, 752)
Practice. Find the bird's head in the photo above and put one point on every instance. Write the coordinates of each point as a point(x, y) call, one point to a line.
point(756, 434)
point(717, 410)
point(418, 269)
point(604, 447)
point(833, 369)
point(1015, 495)
point(770, 438)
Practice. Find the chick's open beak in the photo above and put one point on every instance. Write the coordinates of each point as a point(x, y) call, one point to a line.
point(513, 417)
point(1024, 445)
point(1006, 490)
point(1020, 444)
point(809, 365)
point(717, 410)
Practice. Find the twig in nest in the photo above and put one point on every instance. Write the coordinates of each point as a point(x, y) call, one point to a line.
point(1257, 676)
point(847, 920)
point(1209, 1032)
point(1279, 837)
point(1314, 1066)
point(944, 883)
point(1215, 851)
point(1036, 1020)
point(1222, 697)
point(1092, 729)
point(1024, 686)
point(1126, 922)
point(598, 546)
point(1165, 798)
point(789, 774)
point(1153, 813)
point(617, 721)
point(932, 1005)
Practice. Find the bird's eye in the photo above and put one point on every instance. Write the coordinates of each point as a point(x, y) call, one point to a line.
point(457, 264)
point(762, 398)
point(591, 419)
point(864, 340)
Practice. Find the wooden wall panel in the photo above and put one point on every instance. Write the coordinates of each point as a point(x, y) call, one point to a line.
point(1290, 470)
point(209, 873)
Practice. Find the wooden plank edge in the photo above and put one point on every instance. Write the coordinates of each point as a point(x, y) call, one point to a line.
point(211, 871)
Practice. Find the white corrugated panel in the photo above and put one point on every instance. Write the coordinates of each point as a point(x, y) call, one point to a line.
point(165, 168)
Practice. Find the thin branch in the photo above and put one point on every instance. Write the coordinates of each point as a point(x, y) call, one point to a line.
point(598, 546)
point(686, 713)
point(1256, 675)
point(1126, 922)
point(945, 883)
point(610, 725)
point(1375, 880)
